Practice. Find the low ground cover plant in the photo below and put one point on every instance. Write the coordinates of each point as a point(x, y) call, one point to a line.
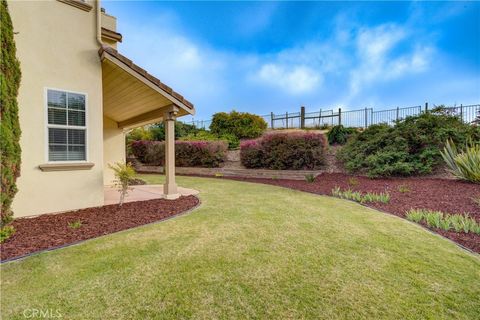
point(357, 196)
point(285, 150)
point(411, 147)
point(75, 224)
point(310, 178)
point(440, 220)
point(6, 232)
point(339, 134)
point(209, 154)
point(403, 188)
point(464, 164)
point(242, 125)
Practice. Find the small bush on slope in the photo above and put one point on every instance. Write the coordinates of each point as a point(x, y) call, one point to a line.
point(339, 134)
point(412, 146)
point(241, 124)
point(285, 150)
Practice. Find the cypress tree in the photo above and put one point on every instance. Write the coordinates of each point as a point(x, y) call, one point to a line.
point(9, 127)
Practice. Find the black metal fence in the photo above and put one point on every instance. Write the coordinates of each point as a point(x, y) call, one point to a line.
point(360, 118)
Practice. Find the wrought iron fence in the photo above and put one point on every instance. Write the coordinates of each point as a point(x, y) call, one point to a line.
point(360, 118)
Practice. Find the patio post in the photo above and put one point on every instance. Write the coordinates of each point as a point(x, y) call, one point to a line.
point(170, 187)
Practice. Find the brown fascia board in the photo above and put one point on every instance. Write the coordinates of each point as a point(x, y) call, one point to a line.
point(144, 74)
point(78, 4)
point(110, 34)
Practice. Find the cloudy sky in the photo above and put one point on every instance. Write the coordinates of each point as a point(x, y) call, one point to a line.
point(276, 56)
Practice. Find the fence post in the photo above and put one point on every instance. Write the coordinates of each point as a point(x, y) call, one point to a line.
point(461, 112)
point(398, 111)
point(271, 120)
point(339, 116)
point(302, 117)
point(286, 118)
point(426, 107)
point(366, 118)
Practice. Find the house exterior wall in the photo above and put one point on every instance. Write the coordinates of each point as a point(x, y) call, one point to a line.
point(57, 48)
point(113, 147)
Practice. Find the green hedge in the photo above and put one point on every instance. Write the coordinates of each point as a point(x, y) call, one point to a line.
point(10, 126)
point(208, 154)
point(241, 124)
point(411, 147)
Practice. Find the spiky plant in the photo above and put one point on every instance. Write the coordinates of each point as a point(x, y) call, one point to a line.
point(464, 164)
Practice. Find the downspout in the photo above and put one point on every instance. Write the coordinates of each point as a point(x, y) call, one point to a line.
point(99, 23)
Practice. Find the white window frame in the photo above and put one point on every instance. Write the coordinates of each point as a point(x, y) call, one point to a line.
point(60, 126)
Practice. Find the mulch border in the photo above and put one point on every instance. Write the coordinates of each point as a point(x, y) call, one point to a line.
point(18, 258)
point(252, 180)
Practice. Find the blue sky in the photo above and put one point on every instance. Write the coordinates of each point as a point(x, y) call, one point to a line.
point(275, 56)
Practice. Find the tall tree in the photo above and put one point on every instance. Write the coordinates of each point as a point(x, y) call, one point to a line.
point(10, 151)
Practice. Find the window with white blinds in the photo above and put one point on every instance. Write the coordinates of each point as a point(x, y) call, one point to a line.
point(66, 126)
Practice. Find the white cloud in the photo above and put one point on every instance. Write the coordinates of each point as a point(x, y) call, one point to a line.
point(343, 69)
point(377, 61)
point(293, 79)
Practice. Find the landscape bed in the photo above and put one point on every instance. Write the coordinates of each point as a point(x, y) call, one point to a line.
point(55, 230)
point(449, 196)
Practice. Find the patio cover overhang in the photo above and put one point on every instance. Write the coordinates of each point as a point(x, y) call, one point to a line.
point(132, 97)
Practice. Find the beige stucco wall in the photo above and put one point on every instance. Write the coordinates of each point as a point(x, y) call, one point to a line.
point(113, 147)
point(109, 22)
point(57, 48)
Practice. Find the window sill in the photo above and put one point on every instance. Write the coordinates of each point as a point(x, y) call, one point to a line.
point(78, 4)
point(66, 166)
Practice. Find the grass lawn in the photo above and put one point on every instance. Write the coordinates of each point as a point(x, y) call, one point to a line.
point(253, 251)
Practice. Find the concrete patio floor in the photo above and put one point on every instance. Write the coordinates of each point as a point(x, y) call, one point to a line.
point(141, 192)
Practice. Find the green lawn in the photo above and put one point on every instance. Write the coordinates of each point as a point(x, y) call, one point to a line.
point(253, 251)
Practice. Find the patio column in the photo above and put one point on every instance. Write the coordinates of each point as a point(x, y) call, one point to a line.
point(170, 187)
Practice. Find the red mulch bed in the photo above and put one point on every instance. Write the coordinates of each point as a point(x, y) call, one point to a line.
point(52, 230)
point(450, 196)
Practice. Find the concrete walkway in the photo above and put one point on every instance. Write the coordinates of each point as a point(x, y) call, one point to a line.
point(141, 193)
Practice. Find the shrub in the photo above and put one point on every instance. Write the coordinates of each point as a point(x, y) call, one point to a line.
point(141, 133)
point(411, 146)
point(339, 134)
point(415, 215)
point(310, 178)
point(139, 149)
point(204, 135)
point(181, 130)
point(124, 173)
point(208, 154)
point(359, 197)
point(9, 124)
point(464, 164)
point(6, 232)
point(75, 224)
point(440, 220)
point(241, 124)
point(281, 150)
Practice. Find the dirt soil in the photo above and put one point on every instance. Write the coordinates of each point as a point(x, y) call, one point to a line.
point(52, 230)
point(449, 196)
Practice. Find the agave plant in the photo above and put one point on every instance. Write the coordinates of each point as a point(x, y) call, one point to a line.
point(464, 164)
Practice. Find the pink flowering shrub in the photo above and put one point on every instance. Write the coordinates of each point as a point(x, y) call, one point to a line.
point(283, 151)
point(208, 154)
